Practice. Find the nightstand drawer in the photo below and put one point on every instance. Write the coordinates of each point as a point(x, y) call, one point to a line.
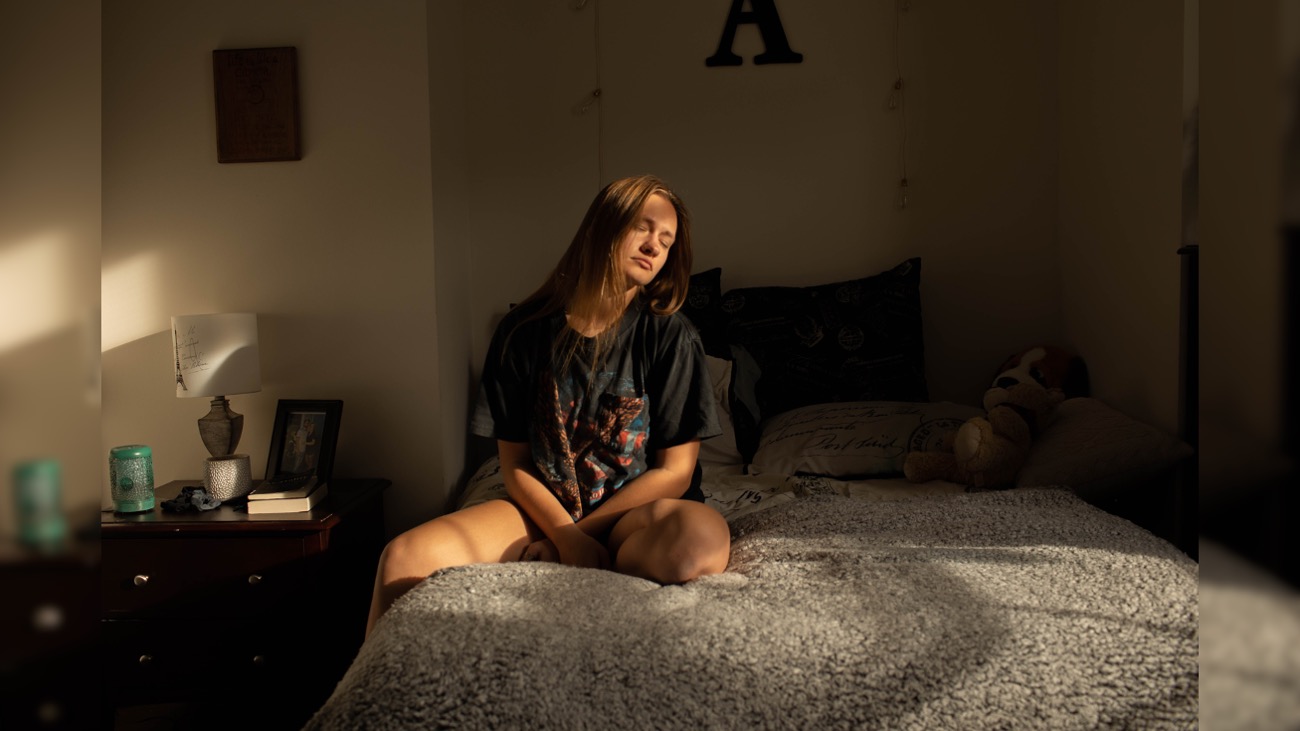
point(202, 657)
point(211, 578)
point(162, 659)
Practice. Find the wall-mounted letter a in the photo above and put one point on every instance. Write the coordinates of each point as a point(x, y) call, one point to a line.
point(776, 47)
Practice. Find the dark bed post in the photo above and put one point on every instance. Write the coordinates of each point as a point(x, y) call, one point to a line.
point(1291, 346)
point(1185, 511)
point(1290, 237)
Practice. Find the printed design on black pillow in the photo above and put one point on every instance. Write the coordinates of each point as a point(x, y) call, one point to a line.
point(858, 340)
point(703, 307)
point(698, 297)
point(851, 338)
point(733, 302)
point(809, 332)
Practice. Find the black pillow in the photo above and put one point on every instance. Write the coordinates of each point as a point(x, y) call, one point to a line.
point(743, 399)
point(703, 307)
point(857, 340)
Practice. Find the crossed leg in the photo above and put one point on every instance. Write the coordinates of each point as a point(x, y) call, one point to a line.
point(489, 532)
point(671, 541)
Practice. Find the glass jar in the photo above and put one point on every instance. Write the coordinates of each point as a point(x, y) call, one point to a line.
point(39, 485)
point(130, 477)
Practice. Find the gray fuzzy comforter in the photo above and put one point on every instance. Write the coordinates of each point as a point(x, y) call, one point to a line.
point(1024, 609)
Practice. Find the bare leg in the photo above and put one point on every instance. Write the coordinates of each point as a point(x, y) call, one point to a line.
point(489, 532)
point(671, 541)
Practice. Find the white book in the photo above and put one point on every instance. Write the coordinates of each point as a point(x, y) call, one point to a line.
point(289, 504)
point(278, 488)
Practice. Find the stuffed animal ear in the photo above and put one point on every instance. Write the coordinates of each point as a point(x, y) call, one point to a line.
point(1076, 381)
point(1011, 362)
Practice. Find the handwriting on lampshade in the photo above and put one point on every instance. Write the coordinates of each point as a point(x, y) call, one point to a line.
point(216, 354)
point(191, 358)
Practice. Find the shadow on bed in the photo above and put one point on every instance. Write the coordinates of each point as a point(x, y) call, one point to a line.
point(835, 612)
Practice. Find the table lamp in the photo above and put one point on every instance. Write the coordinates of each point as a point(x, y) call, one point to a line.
point(217, 356)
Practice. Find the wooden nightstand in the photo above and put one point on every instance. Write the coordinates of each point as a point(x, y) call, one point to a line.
point(221, 619)
point(50, 612)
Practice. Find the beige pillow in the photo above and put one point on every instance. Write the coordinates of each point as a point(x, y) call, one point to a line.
point(1089, 445)
point(722, 449)
point(856, 438)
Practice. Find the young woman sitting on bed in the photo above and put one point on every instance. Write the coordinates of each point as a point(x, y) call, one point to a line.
point(597, 393)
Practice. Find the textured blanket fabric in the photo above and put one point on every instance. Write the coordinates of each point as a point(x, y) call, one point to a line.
point(1024, 609)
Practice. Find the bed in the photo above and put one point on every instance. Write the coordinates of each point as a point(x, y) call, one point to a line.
point(852, 599)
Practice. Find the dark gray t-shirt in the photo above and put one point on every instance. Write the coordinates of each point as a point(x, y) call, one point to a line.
point(591, 429)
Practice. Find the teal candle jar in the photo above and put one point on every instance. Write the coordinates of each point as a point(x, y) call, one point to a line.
point(130, 477)
point(38, 494)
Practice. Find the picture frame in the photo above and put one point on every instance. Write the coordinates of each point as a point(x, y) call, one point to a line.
point(257, 104)
point(303, 439)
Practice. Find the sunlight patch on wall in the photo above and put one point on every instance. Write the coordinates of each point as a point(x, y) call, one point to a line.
point(131, 301)
point(35, 290)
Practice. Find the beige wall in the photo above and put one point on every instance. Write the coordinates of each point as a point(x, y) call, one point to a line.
point(791, 171)
point(453, 235)
point(446, 166)
point(334, 252)
point(49, 247)
point(1121, 93)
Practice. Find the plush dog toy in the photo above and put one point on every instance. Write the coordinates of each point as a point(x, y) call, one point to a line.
point(988, 451)
point(1047, 365)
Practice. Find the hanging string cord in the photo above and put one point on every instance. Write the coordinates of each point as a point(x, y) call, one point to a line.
point(898, 100)
point(600, 112)
point(593, 98)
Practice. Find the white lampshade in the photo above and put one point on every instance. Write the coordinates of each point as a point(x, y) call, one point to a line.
point(216, 355)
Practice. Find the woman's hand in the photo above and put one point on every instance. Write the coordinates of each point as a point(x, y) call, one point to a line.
point(576, 548)
point(543, 550)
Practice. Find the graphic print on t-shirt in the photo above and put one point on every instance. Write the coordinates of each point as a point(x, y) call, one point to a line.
point(588, 451)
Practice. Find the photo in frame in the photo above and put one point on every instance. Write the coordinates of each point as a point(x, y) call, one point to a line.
point(303, 439)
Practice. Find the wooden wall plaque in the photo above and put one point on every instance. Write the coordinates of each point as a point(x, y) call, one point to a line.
point(257, 104)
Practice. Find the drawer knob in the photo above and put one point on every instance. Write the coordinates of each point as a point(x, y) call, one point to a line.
point(140, 579)
point(259, 660)
point(146, 659)
point(254, 579)
point(48, 618)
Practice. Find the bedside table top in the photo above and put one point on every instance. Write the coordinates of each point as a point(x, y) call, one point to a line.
point(344, 496)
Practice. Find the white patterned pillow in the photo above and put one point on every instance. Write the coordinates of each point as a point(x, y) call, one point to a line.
point(855, 439)
point(486, 484)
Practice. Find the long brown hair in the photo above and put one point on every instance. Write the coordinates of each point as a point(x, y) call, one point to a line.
point(588, 283)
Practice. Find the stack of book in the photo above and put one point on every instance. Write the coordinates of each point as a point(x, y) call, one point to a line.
point(294, 495)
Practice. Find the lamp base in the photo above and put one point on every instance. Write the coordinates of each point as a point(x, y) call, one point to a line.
point(229, 477)
point(221, 428)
